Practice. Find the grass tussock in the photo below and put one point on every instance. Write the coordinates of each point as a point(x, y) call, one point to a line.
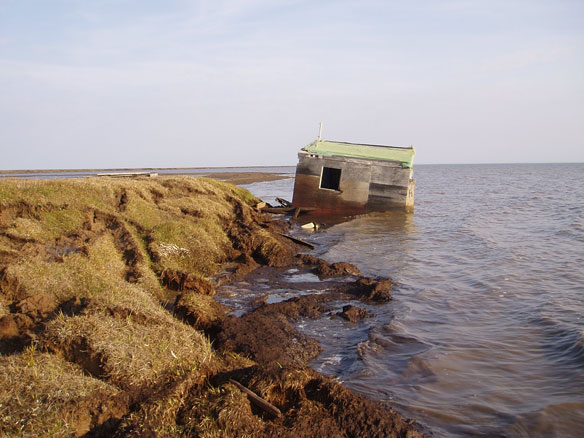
point(130, 354)
point(40, 394)
point(97, 276)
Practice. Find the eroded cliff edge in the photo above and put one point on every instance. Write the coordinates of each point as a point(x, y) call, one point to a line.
point(108, 325)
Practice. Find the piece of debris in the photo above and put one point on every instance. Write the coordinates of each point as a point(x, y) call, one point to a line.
point(298, 241)
point(128, 174)
point(257, 400)
point(283, 202)
point(310, 226)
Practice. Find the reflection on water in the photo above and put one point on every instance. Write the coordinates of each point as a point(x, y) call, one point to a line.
point(485, 334)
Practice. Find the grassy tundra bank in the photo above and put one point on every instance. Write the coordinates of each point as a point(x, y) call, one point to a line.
point(108, 326)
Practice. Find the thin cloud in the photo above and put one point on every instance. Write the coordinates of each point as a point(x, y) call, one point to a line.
point(523, 59)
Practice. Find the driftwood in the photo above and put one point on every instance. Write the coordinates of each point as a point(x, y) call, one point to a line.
point(283, 202)
point(277, 210)
point(128, 174)
point(295, 211)
point(298, 241)
point(257, 400)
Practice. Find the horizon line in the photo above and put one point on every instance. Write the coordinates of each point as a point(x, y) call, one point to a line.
point(65, 170)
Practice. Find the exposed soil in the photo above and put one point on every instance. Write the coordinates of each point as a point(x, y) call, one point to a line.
point(206, 318)
point(99, 415)
point(267, 339)
point(328, 270)
point(354, 314)
point(311, 405)
point(182, 281)
point(19, 328)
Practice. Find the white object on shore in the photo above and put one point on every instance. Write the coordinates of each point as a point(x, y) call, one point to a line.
point(128, 174)
point(309, 226)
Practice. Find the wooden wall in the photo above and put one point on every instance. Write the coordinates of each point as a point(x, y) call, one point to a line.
point(365, 185)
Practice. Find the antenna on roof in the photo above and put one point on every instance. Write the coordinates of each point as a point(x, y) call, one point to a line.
point(320, 131)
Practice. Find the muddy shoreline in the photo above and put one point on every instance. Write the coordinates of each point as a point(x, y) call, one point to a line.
point(168, 360)
point(264, 332)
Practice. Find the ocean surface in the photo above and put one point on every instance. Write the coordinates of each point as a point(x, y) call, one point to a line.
point(484, 336)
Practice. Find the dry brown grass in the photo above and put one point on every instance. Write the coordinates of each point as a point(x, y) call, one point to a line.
point(40, 395)
point(3, 306)
point(131, 354)
point(103, 243)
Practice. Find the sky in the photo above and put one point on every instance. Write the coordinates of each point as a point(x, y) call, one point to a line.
point(195, 83)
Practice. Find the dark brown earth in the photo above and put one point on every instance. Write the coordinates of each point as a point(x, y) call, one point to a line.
point(354, 314)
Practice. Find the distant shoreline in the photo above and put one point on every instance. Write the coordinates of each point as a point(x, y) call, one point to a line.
point(246, 175)
point(131, 169)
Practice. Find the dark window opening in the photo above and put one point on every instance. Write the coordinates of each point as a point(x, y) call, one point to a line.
point(330, 178)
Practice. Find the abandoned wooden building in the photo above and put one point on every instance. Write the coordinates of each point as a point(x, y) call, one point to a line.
point(346, 178)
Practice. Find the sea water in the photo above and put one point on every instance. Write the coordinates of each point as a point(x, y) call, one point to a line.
point(485, 332)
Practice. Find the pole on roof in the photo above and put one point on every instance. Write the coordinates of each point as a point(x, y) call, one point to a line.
point(320, 131)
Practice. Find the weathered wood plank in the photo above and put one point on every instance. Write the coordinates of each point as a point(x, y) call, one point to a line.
point(257, 400)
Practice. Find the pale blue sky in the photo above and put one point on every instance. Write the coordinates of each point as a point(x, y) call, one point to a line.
point(132, 83)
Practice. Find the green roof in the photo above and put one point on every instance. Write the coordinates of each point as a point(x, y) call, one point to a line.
point(403, 155)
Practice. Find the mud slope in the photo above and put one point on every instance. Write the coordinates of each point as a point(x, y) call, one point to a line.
point(108, 326)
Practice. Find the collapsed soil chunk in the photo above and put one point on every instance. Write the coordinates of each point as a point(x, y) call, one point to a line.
point(307, 259)
point(326, 269)
point(37, 306)
point(8, 328)
point(182, 281)
point(74, 306)
point(355, 415)
point(372, 290)
point(266, 338)
point(201, 312)
point(261, 238)
point(340, 269)
point(309, 306)
point(310, 405)
point(242, 265)
point(354, 314)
